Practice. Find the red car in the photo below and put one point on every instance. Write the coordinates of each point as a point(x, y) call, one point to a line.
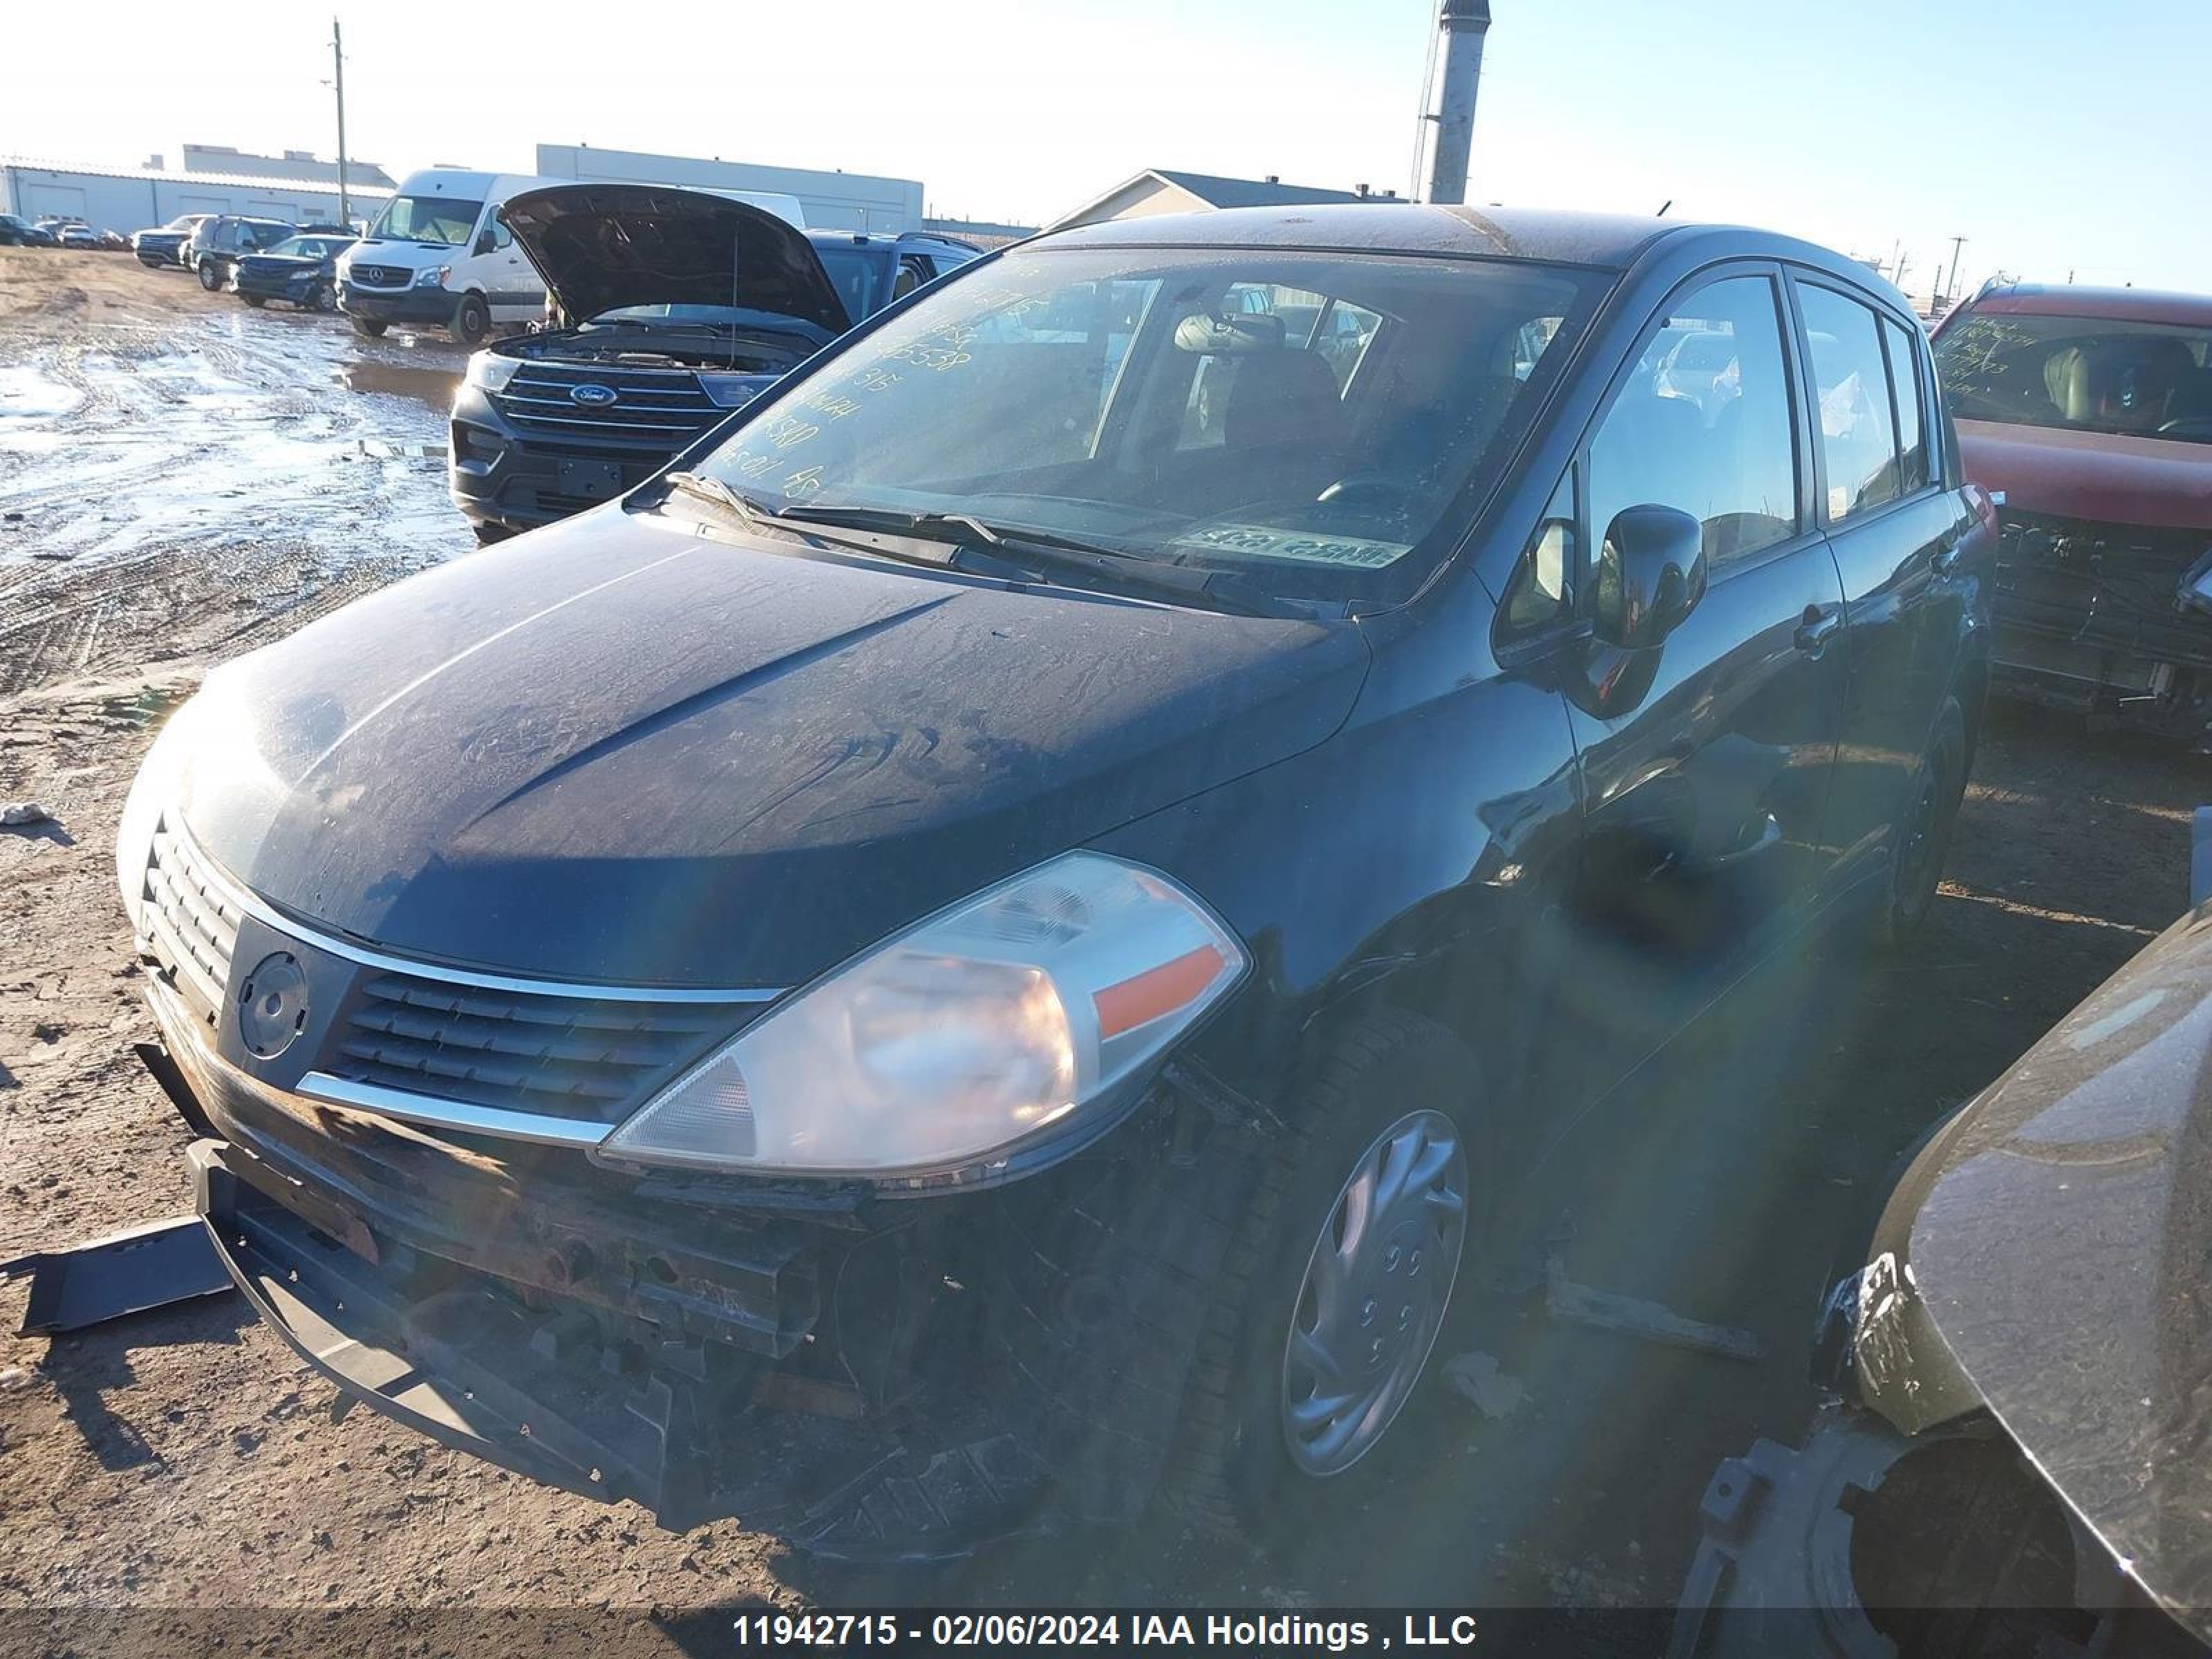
point(2088, 412)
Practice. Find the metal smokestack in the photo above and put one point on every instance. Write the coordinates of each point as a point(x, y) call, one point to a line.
point(1449, 121)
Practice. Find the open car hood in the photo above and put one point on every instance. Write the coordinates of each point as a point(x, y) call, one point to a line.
point(2058, 1236)
point(603, 247)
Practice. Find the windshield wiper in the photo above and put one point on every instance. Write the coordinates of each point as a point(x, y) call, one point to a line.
point(706, 487)
point(1019, 553)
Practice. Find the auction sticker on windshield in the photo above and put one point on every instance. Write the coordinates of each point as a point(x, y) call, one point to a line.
point(1258, 541)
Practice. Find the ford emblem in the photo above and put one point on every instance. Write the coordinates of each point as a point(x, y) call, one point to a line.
point(592, 395)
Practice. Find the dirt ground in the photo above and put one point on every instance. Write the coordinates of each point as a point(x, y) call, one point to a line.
point(182, 479)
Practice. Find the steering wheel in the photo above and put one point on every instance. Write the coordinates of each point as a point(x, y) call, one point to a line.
point(2188, 426)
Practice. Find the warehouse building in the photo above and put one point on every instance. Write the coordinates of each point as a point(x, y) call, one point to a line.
point(1159, 190)
point(833, 200)
point(212, 179)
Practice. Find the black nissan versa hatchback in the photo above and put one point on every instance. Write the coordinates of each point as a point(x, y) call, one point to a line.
point(995, 940)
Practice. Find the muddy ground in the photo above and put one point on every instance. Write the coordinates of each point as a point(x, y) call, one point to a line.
point(183, 479)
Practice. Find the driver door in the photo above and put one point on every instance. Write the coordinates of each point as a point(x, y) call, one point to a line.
point(1706, 761)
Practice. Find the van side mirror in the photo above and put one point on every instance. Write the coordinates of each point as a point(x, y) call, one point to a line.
point(486, 241)
point(1651, 574)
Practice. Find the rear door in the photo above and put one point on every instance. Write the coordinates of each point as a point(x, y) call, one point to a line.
point(1706, 761)
point(1894, 530)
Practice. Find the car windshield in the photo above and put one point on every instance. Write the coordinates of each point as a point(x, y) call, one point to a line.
point(1323, 424)
point(2083, 373)
point(855, 273)
point(428, 219)
point(305, 247)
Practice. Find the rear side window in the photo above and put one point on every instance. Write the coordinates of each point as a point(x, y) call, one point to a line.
point(1850, 390)
point(1715, 440)
point(1905, 380)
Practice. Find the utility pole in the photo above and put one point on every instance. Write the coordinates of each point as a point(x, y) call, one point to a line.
point(338, 63)
point(1951, 281)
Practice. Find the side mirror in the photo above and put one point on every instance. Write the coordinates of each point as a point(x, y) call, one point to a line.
point(487, 242)
point(1651, 574)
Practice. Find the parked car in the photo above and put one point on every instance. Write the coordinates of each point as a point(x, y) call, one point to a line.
point(165, 246)
point(670, 308)
point(217, 246)
point(2090, 411)
point(38, 235)
point(77, 235)
point(14, 232)
point(114, 241)
point(440, 256)
point(2009, 1459)
point(301, 271)
point(972, 950)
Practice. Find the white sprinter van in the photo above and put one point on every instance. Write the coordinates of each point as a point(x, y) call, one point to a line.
point(438, 257)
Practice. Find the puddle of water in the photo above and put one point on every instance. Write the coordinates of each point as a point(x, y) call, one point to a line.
point(432, 387)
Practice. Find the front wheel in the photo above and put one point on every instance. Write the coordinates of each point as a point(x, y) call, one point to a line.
point(1922, 838)
point(471, 323)
point(324, 299)
point(369, 327)
point(210, 275)
point(489, 535)
point(254, 300)
point(1337, 1285)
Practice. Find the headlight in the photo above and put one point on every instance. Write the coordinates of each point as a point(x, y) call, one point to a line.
point(1009, 1016)
point(731, 391)
point(434, 277)
point(154, 790)
point(490, 369)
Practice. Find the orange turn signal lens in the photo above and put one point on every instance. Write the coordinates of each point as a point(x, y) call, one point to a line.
point(1158, 991)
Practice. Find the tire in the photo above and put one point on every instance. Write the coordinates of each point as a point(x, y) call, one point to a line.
point(254, 300)
point(210, 275)
point(488, 534)
point(367, 327)
point(1924, 834)
point(471, 323)
point(1234, 1469)
point(325, 299)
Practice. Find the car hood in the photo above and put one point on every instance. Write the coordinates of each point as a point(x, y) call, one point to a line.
point(2058, 1237)
point(602, 247)
point(627, 749)
point(2154, 482)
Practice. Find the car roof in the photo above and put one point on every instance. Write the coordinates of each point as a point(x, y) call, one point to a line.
point(904, 239)
point(2131, 305)
point(1607, 242)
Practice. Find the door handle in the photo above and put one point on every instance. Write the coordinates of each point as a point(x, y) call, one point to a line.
point(1819, 627)
point(1945, 557)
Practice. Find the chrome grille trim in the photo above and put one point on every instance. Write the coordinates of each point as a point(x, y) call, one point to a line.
point(452, 1115)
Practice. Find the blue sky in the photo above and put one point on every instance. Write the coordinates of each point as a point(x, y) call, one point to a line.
point(2055, 137)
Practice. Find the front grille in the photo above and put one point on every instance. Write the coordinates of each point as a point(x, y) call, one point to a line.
point(190, 922)
point(656, 409)
point(550, 1054)
point(379, 276)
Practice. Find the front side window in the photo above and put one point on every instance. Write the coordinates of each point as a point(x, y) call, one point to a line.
point(1704, 424)
point(2089, 374)
point(433, 219)
point(1056, 394)
point(1851, 388)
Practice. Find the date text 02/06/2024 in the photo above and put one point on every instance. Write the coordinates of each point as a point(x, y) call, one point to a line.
point(1250, 1631)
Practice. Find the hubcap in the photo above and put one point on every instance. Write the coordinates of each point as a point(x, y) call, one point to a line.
point(1376, 1287)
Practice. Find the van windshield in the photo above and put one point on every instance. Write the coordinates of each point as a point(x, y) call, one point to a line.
point(435, 219)
point(1322, 424)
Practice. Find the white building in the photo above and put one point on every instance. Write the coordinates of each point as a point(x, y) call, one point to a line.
point(833, 200)
point(294, 187)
